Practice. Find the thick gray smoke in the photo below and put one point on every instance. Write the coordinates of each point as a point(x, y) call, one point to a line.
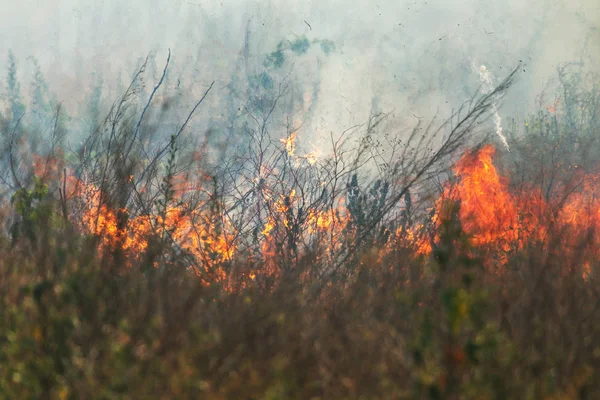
point(411, 57)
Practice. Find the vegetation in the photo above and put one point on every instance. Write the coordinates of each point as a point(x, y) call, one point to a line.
point(137, 266)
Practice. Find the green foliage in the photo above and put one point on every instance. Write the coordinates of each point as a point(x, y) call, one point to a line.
point(262, 81)
point(32, 208)
point(300, 45)
point(25, 201)
point(364, 207)
point(93, 105)
point(40, 104)
point(13, 89)
point(275, 59)
point(327, 46)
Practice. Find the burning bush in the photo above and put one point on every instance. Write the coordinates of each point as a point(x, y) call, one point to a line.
point(139, 270)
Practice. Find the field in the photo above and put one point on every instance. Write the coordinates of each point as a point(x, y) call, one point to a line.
point(439, 264)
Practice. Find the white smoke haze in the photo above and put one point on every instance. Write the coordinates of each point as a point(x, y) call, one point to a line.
point(410, 58)
point(487, 87)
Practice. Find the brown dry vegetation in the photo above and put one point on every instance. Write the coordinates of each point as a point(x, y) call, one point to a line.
point(131, 274)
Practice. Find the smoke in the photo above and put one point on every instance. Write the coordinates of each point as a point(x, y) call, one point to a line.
point(411, 57)
point(487, 87)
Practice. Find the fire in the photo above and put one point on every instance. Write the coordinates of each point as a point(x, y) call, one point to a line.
point(193, 231)
point(497, 220)
point(414, 237)
point(553, 108)
point(290, 144)
point(487, 210)
point(46, 167)
point(268, 227)
point(321, 220)
point(311, 158)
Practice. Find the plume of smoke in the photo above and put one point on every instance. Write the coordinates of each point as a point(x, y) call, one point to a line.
point(487, 85)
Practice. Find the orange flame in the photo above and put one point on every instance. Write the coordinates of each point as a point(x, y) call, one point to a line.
point(487, 210)
point(290, 143)
point(502, 222)
point(495, 219)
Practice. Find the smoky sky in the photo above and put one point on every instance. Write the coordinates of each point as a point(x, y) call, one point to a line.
point(411, 57)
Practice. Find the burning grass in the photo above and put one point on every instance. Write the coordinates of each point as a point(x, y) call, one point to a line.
point(275, 274)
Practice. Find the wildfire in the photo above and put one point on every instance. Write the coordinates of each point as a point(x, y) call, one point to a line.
point(501, 222)
point(496, 220)
point(290, 144)
point(487, 211)
point(414, 237)
point(194, 232)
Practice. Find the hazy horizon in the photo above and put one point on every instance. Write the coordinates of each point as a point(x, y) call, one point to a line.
point(412, 57)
